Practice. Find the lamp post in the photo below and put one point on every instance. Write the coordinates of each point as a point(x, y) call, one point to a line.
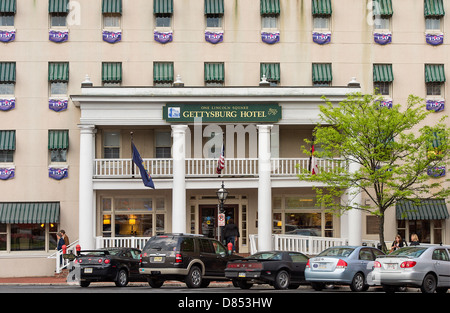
point(222, 195)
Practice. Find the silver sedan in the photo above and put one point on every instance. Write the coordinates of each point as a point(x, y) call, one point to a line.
point(427, 267)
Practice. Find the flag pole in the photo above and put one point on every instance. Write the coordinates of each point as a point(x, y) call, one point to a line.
point(132, 164)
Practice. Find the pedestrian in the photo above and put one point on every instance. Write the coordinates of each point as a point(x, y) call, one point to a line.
point(59, 244)
point(414, 240)
point(231, 233)
point(398, 243)
point(65, 237)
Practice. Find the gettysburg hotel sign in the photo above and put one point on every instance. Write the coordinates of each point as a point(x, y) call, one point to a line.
point(222, 112)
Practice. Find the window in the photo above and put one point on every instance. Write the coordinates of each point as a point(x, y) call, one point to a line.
point(7, 145)
point(6, 19)
point(58, 144)
point(7, 78)
point(321, 23)
point(433, 12)
point(269, 21)
point(214, 10)
point(434, 79)
point(58, 19)
point(214, 74)
point(321, 11)
point(58, 10)
point(322, 74)
point(163, 74)
point(111, 145)
point(440, 254)
point(270, 10)
point(163, 146)
point(271, 71)
point(112, 13)
point(111, 20)
point(382, 79)
point(382, 13)
point(111, 74)
point(163, 10)
point(58, 76)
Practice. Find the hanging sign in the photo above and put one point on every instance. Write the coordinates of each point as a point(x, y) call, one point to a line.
point(213, 37)
point(321, 38)
point(7, 104)
point(222, 112)
point(435, 105)
point(7, 35)
point(112, 36)
point(58, 36)
point(434, 40)
point(437, 171)
point(270, 37)
point(382, 38)
point(57, 105)
point(163, 37)
point(58, 173)
point(7, 173)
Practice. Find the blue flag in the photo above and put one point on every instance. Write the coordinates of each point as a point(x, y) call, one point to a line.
point(140, 164)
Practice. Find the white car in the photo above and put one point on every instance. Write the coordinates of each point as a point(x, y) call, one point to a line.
point(427, 267)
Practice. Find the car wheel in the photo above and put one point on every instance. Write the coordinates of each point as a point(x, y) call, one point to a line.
point(428, 284)
point(282, 280)
point(194, 278)
point(122, 278)
point(155, 283)
point(85, 283)
point(358, 283)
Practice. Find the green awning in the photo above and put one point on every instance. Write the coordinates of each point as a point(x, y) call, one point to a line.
point(58, 6)
point(434, 8)
point(58, 72)
point(270, 7)
point(8, 6)
point(214, 7)
point(162, 6)
point(7, 140)
point(112, 6)
point(58, 139)
point(163, 72)
point(321, 72)
point(29, 212)
point(383, 73)
point(425, 209)
point(382, 8)
point(214, 72)
point(7, 72)
point(321, 7)
point(434, 73)
point(271, 70)
point(111, 72)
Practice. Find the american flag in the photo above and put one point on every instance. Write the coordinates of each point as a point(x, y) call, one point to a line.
point(221, 163)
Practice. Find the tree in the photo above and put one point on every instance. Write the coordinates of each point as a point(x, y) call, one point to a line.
point(393, 147)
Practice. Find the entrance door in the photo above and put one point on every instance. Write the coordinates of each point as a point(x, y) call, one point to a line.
point(208, 218)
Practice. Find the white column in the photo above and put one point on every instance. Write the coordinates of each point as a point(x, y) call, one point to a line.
point(264, 189)
point(86, 193)
point(354, 215)
point(179, 175)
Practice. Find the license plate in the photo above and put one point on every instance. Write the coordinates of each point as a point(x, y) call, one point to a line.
point(157, 259)
point(391, 266)
point(241, 274)
point(88, 270)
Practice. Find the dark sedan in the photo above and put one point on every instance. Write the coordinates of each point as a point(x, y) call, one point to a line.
point(118, 265)
point(281, 269)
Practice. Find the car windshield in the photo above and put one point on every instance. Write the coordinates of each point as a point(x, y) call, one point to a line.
point(162, 243)
point(342, 252)
point(266, 256)
point(414, 252)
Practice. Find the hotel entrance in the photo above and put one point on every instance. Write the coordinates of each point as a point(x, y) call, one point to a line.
point(208, 219)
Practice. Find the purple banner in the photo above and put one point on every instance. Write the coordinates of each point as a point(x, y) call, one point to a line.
point(435, 105)
point(7, 104)
point(7, 173)
point(163, 37)
point(321, 38)
point(382, 38)
point(386, 104)
point(112, 36)
point(434, 40)
point(58, 36)
point(57, 105)
point(213, 37)
point(437, 171)
point(58, 173)
point(270, 38)
point(7, 35)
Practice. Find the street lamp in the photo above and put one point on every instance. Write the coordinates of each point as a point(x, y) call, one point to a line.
point(222, 195)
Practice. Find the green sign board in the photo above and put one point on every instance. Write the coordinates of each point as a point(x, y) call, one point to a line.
point(222, 112)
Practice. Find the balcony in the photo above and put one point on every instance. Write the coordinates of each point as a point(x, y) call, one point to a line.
point(204, 167)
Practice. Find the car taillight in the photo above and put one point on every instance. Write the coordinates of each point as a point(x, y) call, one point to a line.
point(78, 260)
point(233, 265)
point(377, 264)
point(178, 258)
point(341, 264)
point(107, 261)
point(408, 264)
point(307, 264)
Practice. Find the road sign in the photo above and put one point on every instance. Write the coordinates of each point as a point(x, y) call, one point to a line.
point(221, 219)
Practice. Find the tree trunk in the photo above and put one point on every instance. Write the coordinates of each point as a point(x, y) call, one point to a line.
point(381, 234)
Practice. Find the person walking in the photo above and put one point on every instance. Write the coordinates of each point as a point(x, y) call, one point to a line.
point(65, 237)
point(397, 244)
point(231, 233)
point(414, 240)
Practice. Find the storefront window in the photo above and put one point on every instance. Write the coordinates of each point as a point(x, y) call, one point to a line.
point(3, 237)
point(25, 237)
point(133, 225)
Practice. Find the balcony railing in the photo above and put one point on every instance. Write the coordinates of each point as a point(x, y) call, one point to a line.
point(206, 167)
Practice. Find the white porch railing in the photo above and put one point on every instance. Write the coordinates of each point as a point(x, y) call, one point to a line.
point(62, 263)
point(116, 242)
point(206, 167)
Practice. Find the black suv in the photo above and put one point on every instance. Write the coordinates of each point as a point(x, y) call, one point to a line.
point(194, 259)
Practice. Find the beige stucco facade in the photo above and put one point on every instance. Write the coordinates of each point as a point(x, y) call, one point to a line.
point(351, 51)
